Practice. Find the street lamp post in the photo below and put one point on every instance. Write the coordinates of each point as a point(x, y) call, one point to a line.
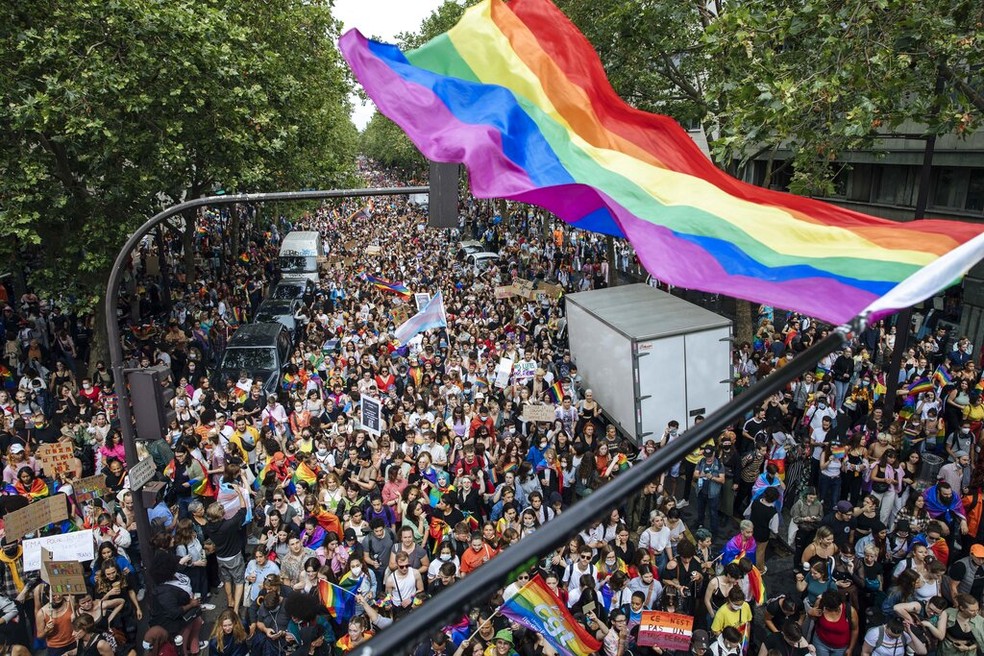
point(112, 306)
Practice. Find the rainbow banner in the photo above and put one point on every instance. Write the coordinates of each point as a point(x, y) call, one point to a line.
point(387, 286)
point(920, 386)
point(537, 608)
point(516, 93)
point(306, 474)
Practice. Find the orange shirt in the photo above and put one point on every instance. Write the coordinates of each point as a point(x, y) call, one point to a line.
point(471, 559)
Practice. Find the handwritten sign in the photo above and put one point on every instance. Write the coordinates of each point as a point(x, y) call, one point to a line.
point(421, 299)
point(504, 291)
point(371, 415)
point(142, 473)
point(56, 458)
point(78, 546)
point(671, 631)
point(91, 487)
point(551, 291)
point(373, 250)
point(538, 413)
point(400, 315)
point(525, 370)
point(523, 288)
point(37, 515)
point(64, 577)
point(502, 372)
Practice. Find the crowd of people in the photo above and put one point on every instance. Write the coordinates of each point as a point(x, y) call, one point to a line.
point(312, 532)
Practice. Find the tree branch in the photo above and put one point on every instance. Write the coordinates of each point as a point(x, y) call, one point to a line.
point(974, 96)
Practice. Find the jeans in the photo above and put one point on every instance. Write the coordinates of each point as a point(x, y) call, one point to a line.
point(711, 505)
point(830, 488)
point(824, 650)
point(841, 386)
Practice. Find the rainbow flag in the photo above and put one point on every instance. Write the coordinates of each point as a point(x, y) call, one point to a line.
point(387, 286)
point(622, 462)
point(439, 530)
point(941, 376)
point(919, 386)
point(244, 257)
point(518, 94)
point(537, 608)
point(303, 472)
point(556, 392)
point(838, 451)
point(339, 601)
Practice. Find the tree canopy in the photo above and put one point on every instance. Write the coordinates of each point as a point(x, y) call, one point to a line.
point(115, 109)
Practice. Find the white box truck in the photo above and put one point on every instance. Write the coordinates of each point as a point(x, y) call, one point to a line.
point(649, 357)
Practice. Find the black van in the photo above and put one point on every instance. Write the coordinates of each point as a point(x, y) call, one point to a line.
point(261, 350)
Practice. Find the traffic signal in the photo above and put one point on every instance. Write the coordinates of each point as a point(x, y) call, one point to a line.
point(151, 391)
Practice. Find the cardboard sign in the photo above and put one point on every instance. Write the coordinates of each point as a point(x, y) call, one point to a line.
point(142, 473)
point(350, 245)
point(56, 458)
point(91, 487)
point(78, 546)
point(523, 288)
point(421, 299)
point(671, 631)
point(371, 415)
point(502, 373)
point(64, 577)
point(539, 413)
point(551, 291)
point(400, 315)
point(373, 250)
point(505, 291)
point(38, 514)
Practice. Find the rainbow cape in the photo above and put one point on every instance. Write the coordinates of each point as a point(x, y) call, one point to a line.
point(304, 473)
point(38, 490)
point(516, 93)
point(537, 608)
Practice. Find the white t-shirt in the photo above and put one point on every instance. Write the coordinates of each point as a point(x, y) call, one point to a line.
point(656, 541)
point(885, 645)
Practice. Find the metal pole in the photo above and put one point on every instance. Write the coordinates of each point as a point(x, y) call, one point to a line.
point(112, 304)
point(450, 604)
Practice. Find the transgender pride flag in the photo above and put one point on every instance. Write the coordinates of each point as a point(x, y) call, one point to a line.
point(432, 316)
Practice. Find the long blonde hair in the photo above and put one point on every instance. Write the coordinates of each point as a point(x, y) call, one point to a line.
point(238, 630)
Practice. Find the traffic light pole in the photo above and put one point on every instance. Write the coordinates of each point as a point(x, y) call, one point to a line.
point(111, 308)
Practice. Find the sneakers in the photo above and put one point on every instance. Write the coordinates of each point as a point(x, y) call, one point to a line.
point(208, 606)
point(140, 594)
point(682, 503)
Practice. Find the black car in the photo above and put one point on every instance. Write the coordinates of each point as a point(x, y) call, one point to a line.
point(259, 349)
point(273, 310)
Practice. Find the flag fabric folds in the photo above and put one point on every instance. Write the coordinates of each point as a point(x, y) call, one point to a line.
point(432, 316)
point(516, 93)
point(387, 286)
point(339, 600)
point(537, 608)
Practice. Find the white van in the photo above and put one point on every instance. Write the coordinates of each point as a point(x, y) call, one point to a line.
point(299, 253)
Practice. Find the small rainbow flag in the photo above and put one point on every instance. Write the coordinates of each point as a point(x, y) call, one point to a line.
point(240, 394)
point(305, 473)
point(622, 462)
point(920, 386)
point(942, 377)
point(244, 257)
point(556, 392)
point(821, 373)
point(203, 488)
point(838, 451)
point(387, 286)
point(339, 601)
point(537, 608)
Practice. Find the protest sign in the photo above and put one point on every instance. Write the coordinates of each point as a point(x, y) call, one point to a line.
point(421, 299)
point(77, 546)
point(400, 315)
point(525, 369)
point(551, 291)
point(538, 413)
point(371, 415)
point(141, 473)
point(64, 577)
point(373, 250)
point(523, 288)
point(502, 372)
point(668, 631)
point(38, 514)
point(91, 487)
point(504, 291)
point(56, 458)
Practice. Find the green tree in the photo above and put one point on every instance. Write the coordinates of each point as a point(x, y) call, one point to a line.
point(113, 110)
point(384, 142)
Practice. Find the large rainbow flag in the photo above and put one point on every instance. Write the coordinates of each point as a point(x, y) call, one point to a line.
point(517, 93)
point(537, 608)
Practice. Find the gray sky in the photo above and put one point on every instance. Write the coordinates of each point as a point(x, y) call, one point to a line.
point(383, 19)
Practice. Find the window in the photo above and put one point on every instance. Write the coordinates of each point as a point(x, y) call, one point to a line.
point(975, 190)
point(950, 187)
point(894, 185)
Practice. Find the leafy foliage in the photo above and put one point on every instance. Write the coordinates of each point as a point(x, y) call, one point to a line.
point(114, 109)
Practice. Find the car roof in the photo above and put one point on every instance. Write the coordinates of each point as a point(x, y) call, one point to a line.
point(277, 304)
point(256, 334)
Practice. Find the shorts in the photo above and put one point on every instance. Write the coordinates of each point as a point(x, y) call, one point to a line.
point(232, 569)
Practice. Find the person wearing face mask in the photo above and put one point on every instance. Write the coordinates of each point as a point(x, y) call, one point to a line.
point(445, 555)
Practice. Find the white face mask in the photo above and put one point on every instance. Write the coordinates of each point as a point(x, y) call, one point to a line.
point(356, 570)
point(445, 557)
point(322, 452)
point(965, 430)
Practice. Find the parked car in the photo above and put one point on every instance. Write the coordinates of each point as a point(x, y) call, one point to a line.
point(294, 289)
point(280, 311)
point(466, 248)
point(482, 261)
point(259, 349)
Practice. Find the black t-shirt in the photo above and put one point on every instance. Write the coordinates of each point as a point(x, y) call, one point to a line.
point(959, 569)
point(842, 530)
point(777, 642)
point(774, 609)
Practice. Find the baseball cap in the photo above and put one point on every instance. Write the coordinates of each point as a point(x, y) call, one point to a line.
point(699, 639)
point(17, 448)
point(350, 534)
point(844, 507)
point(977, 550)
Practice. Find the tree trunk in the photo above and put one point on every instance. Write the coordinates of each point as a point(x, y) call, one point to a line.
point(99, 348)
point(233, 235)
point(188, 246)
point(743, 321)
point(503, 209)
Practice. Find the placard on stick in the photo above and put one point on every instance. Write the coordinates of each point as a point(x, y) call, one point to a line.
point(539, 413)
point(421, 299)
point(38, 514)
point(371, 415)
point(56, 458)
point(64, 577)
point(89, 488)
